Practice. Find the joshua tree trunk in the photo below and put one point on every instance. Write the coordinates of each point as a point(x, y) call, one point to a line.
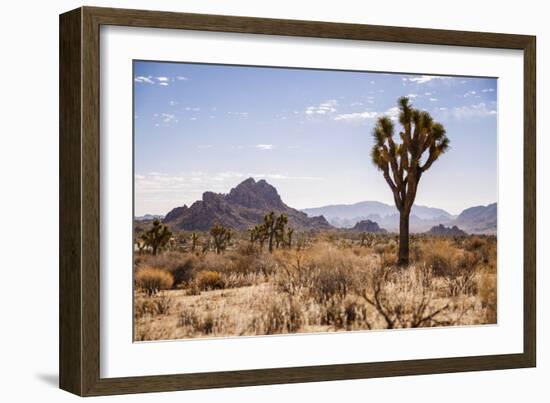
point(403, 257)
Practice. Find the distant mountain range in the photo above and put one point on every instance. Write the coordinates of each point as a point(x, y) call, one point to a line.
point(147, 217)
point(479, 219)
point(242, 208)
point(347, 215)
point(247, 203)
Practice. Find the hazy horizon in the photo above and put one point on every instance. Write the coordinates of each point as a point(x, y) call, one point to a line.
point(319, 206)
point(204, 128)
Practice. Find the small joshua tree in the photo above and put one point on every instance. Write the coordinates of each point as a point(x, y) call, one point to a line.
point(289, 233)
point(194, 240)
point(258, 233)
point(274, 228)
point(402, 164)
point(220, 237)
point(157, 237)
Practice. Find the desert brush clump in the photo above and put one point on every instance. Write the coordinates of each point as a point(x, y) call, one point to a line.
point(209, 280)
point(151, 280)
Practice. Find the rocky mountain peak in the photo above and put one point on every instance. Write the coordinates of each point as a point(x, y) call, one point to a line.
point(443, 230)
point(243, 207)
point(252, 194)
point(368, 226)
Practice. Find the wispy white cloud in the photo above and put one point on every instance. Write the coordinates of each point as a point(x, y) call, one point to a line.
point(356, 116)
point(265, 147)
point(323, 108)
point(433, 99)
point(412, 95)
point(488, 90)
point(161, 80)
point(470, 93)
point(144, 79)
point(479, 110)
point(392, 113)
point(168, 118)
point(239, 114)
point(424, 79)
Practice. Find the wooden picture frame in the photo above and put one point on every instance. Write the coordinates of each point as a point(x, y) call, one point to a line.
point(79, 281)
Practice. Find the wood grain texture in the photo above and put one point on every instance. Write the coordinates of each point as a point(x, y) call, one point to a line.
point(80, 200)
point(70, 271)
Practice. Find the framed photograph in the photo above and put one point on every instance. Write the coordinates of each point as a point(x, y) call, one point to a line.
point(249, 201)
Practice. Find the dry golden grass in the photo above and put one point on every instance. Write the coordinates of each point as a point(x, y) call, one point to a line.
point(152, 280)
point(331, 283)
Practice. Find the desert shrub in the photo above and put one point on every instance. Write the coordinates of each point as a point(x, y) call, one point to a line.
point(487, 285)
point(279, 315)
point(439, 257)
point(151, 280)
point(184, 271)
point(474, 243)
point(213, 262)
point(327, 283)
point(209, 280)
point(162, 304)
point(234, 280)
point(243, 263)
point(147, 331)
point(188, 317)
point(322, 273)
point(142, 307)
point(167, 261)
point(463, 283)
point(403, 298)
point(204, 325)
point(344, 313)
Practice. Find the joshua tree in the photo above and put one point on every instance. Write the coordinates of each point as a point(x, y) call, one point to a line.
point(274, 227)
point(289, 233)
point(157, 237)
point(402, 164)
point(194, 239)
point(258, 233)
point(220, 236)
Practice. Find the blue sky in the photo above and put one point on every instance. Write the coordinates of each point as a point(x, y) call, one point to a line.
point(308, 132)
